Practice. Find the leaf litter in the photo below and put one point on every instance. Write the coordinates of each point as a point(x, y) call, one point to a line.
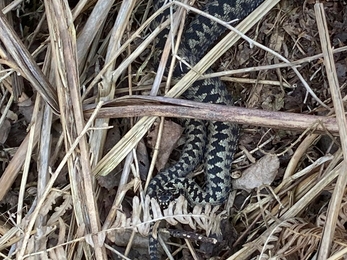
point(283, 216)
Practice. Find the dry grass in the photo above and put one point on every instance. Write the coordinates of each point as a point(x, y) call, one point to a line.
point(75, 109)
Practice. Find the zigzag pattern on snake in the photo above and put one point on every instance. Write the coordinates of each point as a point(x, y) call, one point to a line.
point(212, 142)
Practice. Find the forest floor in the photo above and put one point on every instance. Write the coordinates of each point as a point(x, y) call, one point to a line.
point(82, 133)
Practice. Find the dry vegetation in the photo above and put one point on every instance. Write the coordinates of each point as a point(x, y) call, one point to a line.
point(75, 157)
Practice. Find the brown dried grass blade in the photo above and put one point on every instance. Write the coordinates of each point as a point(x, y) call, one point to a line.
point(336, 96)
point(25, 65)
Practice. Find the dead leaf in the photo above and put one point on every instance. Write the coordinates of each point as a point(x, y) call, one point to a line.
point(143, 160)
point(263, 172)
point(26, 107)
point(171, 134)
point(4, 131)
point(111, 180)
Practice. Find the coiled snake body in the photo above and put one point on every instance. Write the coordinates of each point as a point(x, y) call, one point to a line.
point(213, 142)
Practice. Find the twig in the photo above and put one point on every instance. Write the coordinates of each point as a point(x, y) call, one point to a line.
point(191, 109)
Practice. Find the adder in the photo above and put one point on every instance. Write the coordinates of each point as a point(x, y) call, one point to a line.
point(212, 142)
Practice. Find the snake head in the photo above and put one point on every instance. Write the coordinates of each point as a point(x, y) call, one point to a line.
point(164, 197)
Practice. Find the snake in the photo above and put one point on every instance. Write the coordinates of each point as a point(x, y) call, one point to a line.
point(211, 142)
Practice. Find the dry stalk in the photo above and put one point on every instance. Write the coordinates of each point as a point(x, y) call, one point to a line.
point(191, 109)
point(329, 63)
point(28, 67)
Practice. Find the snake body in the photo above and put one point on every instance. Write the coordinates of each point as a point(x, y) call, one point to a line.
point(213, 142)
